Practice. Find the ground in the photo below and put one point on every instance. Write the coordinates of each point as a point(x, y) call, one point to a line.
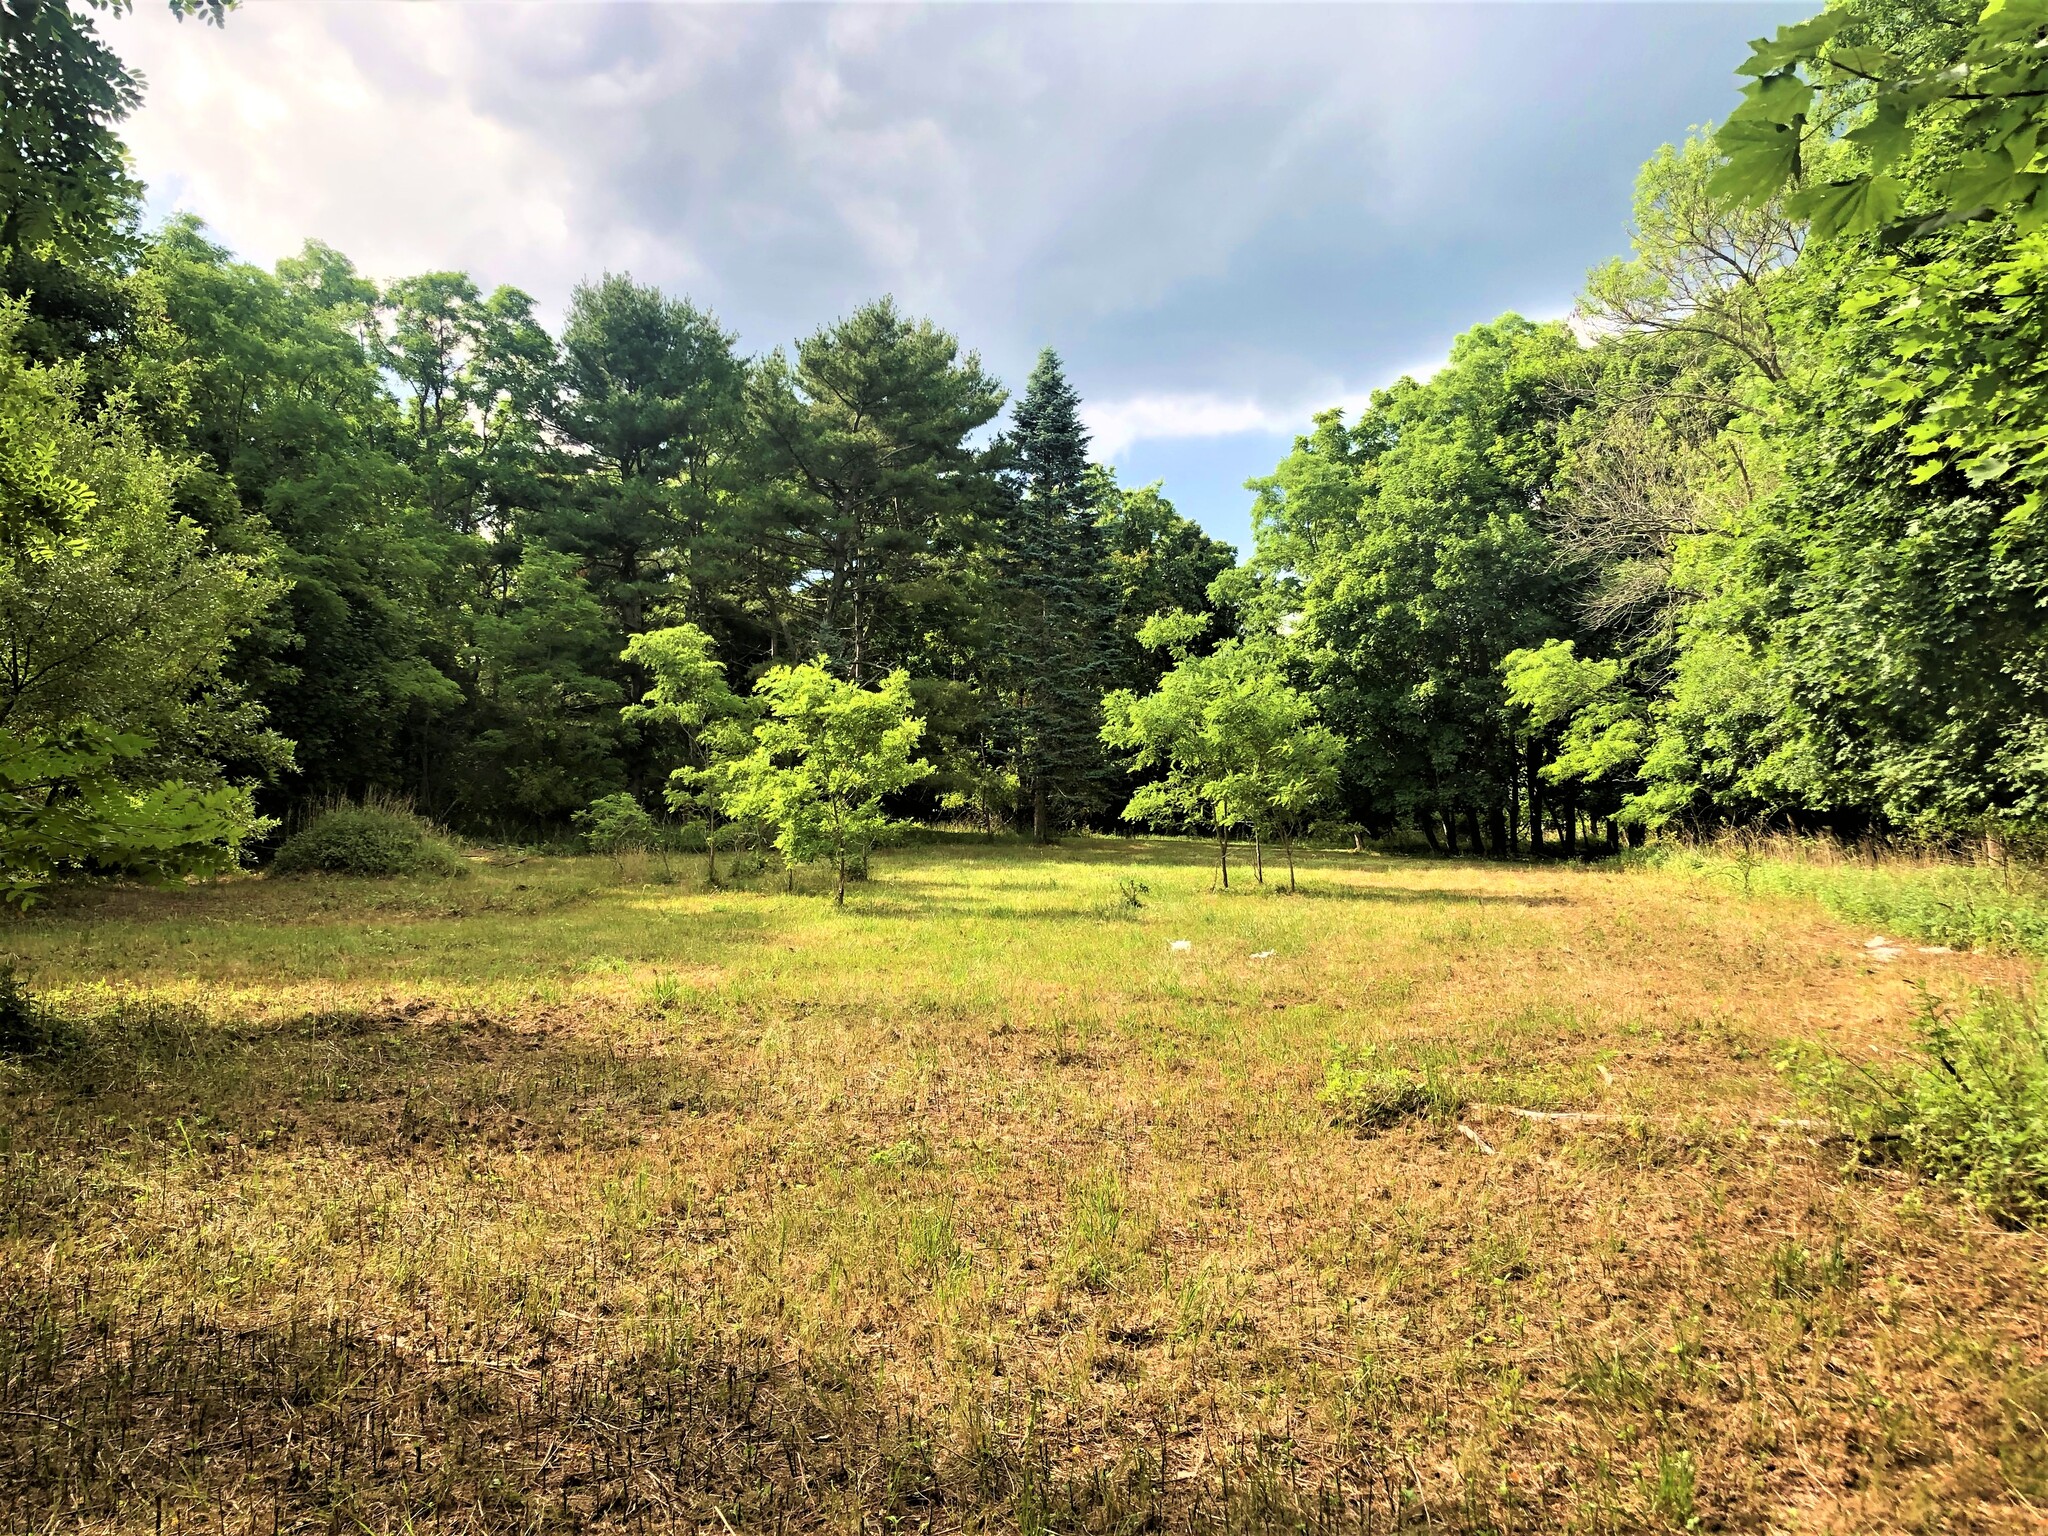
point(566, 1195)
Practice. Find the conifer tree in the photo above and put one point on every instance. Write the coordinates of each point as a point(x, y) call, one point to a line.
point(1057, 607)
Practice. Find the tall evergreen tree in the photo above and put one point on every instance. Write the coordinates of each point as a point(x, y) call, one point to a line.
point(1054, 659)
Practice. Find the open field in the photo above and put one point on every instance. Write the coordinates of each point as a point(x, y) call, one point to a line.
point(537, 1200)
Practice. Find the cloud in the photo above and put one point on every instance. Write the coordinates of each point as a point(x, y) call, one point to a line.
point(1223, 215)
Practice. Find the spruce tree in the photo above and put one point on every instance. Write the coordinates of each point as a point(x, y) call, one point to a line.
point(1053, 665)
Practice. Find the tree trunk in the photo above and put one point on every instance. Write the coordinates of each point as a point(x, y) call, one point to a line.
point(840, 899)
point(1535, 800)
point(1223, 852)
point(1472, 839)
point(1290, 861)
point(711, 848)
point(1041, 819)
point(1258, 856)
point(1613, 836)
point(1427, 822)
point(1570, 818)
point(1500, 837)
point(1451, 832)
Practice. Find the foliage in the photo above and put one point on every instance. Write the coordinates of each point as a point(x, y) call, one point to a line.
point(1053, 653)
point(113, 607)
point(66, 809)
point(1231, 743)
point(1974, 106)
point(822, 760)
point(1970, 1109)
point(374, 839)
point(615, 824)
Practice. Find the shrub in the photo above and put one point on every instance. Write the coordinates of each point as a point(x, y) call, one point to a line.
point(1969, 1109)
point(616, 823)
point(1368, 1098)
point(374, 840)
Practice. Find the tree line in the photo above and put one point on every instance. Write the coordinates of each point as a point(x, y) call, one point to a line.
point(1753, 537)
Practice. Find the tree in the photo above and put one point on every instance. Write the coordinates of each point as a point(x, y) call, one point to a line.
point(823, 759)
point(64, 179)
point(67, 807)
point(1945, 120)
point(873, 497)
point(690, 693)
point(1229, 742)
point(1422, 561)
point(649, 404)
point(1157, 560)
point(288, 413)
point(1054, 659)
point(113, 608)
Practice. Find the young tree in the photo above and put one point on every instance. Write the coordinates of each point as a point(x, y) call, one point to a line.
point(823, 759)
point(1229, 741)
point(690, 693)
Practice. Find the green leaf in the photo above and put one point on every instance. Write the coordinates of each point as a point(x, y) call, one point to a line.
point(2011, 21)
point(1990, 181)
point(1853, 207)
point(1780, 98)
point(1760, 159)
point(1885, 137)
point(1793, 44)
point(1865, 63)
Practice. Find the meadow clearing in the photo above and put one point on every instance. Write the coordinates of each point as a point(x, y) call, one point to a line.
point(557, 1197)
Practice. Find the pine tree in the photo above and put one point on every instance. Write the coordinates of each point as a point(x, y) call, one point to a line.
point(1053, 664)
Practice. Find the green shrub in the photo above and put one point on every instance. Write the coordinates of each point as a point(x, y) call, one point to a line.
point(374, 840)
point(1369, 1098)
point(616, 824)
point(1969, 1110)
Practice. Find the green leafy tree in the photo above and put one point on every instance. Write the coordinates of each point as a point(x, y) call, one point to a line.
point(691, 697)
point(113, 607)
point(1945, 120)
point(1226, 743)
point(64, 180)
point(824, 757)
point(1420, 564)
point(70, 806)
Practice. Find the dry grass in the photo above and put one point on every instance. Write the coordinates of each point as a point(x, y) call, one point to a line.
point(538, 1201)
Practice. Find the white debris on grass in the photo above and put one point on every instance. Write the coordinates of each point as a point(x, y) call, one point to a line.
point(1180, 946)
point(1264, 954)
point(1878, 947)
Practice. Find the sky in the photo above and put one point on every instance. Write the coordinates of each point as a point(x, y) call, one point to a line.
point(1224, 217)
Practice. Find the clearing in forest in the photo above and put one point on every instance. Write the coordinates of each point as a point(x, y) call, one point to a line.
point(548, 1198)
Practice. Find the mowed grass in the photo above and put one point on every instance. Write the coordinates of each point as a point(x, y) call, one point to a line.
point(558, 1198)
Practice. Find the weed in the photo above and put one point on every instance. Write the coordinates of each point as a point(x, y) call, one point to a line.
point(1367, 1098)
point(1968, 1109)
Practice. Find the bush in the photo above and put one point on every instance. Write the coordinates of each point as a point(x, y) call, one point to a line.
point(617, 823)
point(374, 840)
point(1368, 1098)
point(1970, 1110)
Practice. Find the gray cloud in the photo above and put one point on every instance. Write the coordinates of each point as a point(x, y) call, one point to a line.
point(1222, 214)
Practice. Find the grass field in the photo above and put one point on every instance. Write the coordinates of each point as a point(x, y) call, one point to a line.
point(554, 1197)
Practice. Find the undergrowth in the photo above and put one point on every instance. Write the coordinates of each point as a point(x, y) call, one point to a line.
point(1969, 1107)
point(372, 839)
